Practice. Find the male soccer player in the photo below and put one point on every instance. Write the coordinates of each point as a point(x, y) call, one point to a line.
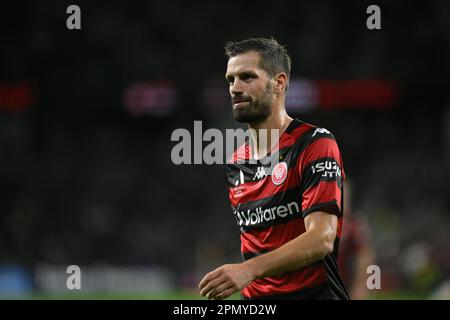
point(290, 214)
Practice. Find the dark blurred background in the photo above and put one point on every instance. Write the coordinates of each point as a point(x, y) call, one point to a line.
point(86, 118)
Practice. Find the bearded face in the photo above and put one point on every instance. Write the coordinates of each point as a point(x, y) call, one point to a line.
point(250, 88)
point(253, 109)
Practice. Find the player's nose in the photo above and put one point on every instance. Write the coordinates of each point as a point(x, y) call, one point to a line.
point(236, 88)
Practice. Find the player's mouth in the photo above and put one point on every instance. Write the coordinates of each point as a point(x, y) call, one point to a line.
point(240, 103)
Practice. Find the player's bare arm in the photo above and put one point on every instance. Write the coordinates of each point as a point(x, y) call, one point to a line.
point(311, 246)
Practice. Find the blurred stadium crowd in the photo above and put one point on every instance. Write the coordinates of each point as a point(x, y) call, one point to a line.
point(86, 118)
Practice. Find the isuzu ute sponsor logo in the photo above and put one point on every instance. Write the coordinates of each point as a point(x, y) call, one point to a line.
point(330, 169)
point(260, 215)
point(279, 173)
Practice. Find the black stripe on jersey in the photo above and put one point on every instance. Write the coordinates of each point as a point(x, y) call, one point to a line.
point(322, 169)
point(276, 209)
point(294, 125)
point(234, 173)
point(319, 292)
point(336, 284)
point(249, 255)
point(330, 207)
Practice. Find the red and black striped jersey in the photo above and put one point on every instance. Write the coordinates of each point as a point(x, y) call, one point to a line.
point(270, 200)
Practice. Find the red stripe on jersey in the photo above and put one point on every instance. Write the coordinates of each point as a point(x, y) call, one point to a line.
point(307, 277)
point(270, 238)
point(323, 192)
point(242, 153)
point(250, 191)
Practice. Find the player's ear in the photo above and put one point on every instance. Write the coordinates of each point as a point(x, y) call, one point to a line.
point(281, 82)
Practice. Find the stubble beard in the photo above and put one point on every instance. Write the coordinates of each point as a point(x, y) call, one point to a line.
point(257, 110)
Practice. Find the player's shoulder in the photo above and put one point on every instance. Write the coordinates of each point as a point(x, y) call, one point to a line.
point(306, 133)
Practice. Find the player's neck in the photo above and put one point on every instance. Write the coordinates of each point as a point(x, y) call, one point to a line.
point(277, 120)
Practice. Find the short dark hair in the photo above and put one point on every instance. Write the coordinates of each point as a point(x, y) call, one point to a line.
point(274, 56)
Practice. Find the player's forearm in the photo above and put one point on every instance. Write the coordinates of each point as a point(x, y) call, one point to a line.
point(304, 250)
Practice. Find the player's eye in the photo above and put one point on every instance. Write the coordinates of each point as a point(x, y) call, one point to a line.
point(246, 77)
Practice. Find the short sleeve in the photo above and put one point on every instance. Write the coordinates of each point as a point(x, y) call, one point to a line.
point(321, 174)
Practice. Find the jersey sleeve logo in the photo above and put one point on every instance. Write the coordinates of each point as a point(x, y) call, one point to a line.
point(328, 169)
point(322, 131)
point(279, 173)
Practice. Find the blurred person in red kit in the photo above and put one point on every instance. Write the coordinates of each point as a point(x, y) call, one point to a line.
point(356, 250)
